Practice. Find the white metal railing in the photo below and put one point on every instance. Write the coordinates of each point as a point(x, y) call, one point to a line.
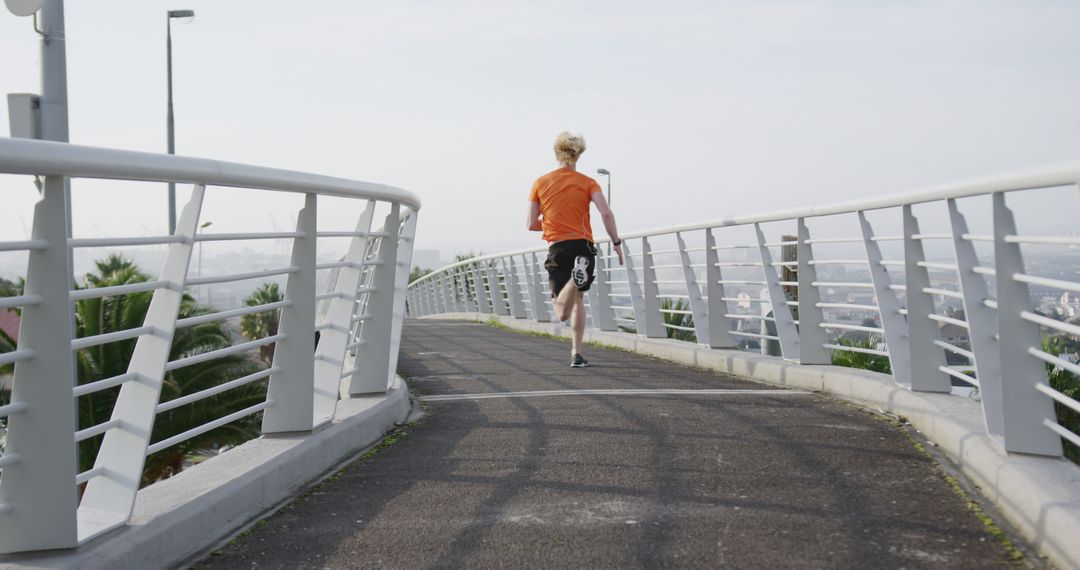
point(721, 284)
point(356, 330)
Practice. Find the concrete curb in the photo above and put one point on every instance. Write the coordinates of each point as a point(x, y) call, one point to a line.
point(1040, 496)
point(179, 518)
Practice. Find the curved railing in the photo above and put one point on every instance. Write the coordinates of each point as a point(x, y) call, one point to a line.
point(348, 334)
point(917, 285)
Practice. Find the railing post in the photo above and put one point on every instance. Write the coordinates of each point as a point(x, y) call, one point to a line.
point(468, 297)
point(37, 493)
point(513, 289)
point(785, 323)
point(373, 355)
point(291, 389)
point(534, 284)
point(483, 300)
point(330, 353)
point(982, 323)
point(498, 302)
point(926, 358)
point(1025, 409)
point(637, 299)
point(109, 499)
point(812, 337)
point(719, 325)
point(603, 316)
point(406, 238)
point(693, 291)
point(892, 320)
point(654, 320)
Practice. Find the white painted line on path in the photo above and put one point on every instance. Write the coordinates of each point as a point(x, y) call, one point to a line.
point(613, 392)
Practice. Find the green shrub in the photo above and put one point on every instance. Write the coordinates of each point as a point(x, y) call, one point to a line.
point(862, 360)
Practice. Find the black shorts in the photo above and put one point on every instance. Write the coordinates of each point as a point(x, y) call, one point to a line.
point(562, 264)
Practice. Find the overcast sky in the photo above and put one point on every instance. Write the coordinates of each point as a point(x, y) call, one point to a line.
point(699, 109)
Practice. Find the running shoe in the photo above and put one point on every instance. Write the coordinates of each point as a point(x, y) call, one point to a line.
point(580, 272)
point(578, 361)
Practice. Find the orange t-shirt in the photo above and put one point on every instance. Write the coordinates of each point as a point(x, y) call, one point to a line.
point(564, 197)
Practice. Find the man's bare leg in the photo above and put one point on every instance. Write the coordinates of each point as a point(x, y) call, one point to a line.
point(577, 322)
point(564, 302)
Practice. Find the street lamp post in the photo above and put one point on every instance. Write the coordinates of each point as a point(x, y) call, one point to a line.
point(604, 172)
point(171, 134)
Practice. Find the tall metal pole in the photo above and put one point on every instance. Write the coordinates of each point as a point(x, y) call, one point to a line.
point(171, 134)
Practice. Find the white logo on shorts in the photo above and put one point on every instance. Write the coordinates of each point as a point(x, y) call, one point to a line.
point(580, 273)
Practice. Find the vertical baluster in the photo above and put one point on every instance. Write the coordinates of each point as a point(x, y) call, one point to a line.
point(637, 298)
point(498, 301)
point(926, 358)
point(603, 316)
point(373, 356)
point(654, 320)
point(483, 300)
point(406, 239)
point(982, 323)
point(534, 285)
point(40, 486)
point(469, 289)
point(693, 291)
point(785, 323)
point(331, 352)
point(513, 289)
point(108, 501)
point(719, 325)
point(812, 337)
point(292, 389)
point(1024, 408)
point(892, 320)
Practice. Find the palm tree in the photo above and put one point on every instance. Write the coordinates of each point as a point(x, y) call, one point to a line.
point(109, 314)
point(264, 324)
point(1067, 383)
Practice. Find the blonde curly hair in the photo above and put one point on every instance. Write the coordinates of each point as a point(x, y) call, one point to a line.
point(568, 148)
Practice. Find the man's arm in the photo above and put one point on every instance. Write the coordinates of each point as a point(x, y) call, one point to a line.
point(609, 222)
point(533, 223)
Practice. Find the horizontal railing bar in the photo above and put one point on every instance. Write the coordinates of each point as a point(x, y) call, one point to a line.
point(238, 348)
point(887, 238)
point(931, 236)
point(943, 292)
point(203, 394)
point(789, 283)
point(838, 262)
point(207, 427)
point(780, 243)
point(668, 266)
point(356, 344)
point(677, 327)
point(664, 251)
point(15, 356)
point(832, 240)
point(1058, 396)
point(97, 430)
point(955, 349)
point(223, 315)
point(19, 301)
point(25, 156)
point(852, 306)
point(666, 296)
point(1056, 361)
point(352, 371)
point(669, 281)
point(129, 241)
point(105, 384)
point(984, 270)
point(89, 474)
point(13, 408)
point(1056, 428)
point(25, 245)
point(890, 262)
point(9, 459)
point(1060, 326)
point(333, 327)
point(991, 303)
point(341, 234)
point(738, 300)
point(976, 237)
point(98, 292)
point(1047, 282)
point(853, 284)
point(950, 320)
point(675, 312)
point(754, 335)
point(248, 236)
point(856, 349)
point(738, 264)
point(240, 276)
point(733, 246)
point(740, 282)
point(959, 375)
point(785, 263)
point(842, 326)
point(895, 287)
point(89, 341)
point(322, 296)
point(941, 266)
point(1048, 240)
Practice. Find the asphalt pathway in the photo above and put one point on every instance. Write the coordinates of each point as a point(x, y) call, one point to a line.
point(523, 462)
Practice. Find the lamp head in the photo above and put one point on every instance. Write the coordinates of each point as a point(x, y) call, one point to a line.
point(24, 7)
point(181, 13)
point(603, 171)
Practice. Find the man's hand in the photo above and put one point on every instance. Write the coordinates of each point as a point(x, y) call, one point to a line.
point(618, 250)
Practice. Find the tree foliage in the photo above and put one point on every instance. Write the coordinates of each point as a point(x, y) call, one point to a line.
point(261, 325)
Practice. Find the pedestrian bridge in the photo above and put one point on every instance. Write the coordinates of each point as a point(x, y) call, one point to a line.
point(724, 421)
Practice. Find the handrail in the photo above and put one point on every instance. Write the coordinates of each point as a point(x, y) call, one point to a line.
point(33, 157)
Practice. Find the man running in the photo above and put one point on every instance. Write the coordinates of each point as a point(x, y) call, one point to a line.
point(559, 206)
